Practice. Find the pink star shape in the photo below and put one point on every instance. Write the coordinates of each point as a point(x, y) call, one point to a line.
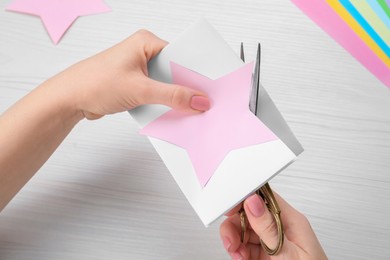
point(208, 137)
point(58, 15)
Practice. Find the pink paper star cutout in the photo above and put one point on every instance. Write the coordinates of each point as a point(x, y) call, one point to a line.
point(208, 137)
point(58, 15)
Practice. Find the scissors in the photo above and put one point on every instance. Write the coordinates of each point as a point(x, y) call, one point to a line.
point(265, 191)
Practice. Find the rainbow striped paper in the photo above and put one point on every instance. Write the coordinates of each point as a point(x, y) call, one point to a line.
point(362, 27)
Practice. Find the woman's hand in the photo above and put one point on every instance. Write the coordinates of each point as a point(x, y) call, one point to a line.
point(116, 80)
point(300, 242)
point(112, 81)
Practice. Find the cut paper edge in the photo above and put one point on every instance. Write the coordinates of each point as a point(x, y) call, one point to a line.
point(204, 176)
point(54, 34)
point(210, 207)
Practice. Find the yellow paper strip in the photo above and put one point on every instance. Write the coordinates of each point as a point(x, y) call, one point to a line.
point(372, 18)
point(355, 26)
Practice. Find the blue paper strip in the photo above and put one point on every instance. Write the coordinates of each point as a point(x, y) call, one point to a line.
point(363, 23)
point(379, 11)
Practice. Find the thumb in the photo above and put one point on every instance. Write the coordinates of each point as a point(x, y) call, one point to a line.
point(175, 96)
point(261, 220)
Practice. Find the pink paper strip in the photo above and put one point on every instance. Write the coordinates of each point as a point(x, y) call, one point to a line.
point(321, 13)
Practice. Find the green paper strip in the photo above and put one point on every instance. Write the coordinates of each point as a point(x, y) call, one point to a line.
point(370, 16)
point(365, 25)
point(384, 6)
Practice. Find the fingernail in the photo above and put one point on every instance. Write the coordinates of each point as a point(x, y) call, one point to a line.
point(236, 256)
point(200, 103)
point(226, 243)
point(255, 205)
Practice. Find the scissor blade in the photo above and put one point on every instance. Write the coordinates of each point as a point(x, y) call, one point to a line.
point(254, 97)
point(242, 55)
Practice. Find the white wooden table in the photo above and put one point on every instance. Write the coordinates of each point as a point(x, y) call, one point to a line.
point(105, 194)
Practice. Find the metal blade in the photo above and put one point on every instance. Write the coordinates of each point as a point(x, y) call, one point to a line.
point(254, 97)
point(242, 55)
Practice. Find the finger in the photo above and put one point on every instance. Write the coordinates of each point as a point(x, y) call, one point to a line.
point(155, 92)
point(288, 214)
point(261, 220)
point(252, 237)
point(297, 227)
point(230, 233)
point(172, 95)
point(241, 253)
point(150, 43)
point(254, 251)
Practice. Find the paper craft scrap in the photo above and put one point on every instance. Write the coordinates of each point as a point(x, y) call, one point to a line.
point(365, 25)
point(385, 6)
point(58, 15)
point(359, 31)
point(380, 12)
point(229, 124)
point(339, 23)
point(373, 19)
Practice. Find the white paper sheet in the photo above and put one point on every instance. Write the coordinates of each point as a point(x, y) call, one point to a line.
point(202, 49)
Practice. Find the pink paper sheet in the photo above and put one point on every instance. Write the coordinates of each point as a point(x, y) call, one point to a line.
point(208, 137)
point(321, 13)
point(58, 15)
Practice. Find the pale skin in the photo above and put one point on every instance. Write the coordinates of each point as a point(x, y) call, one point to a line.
point(114, 81)
point(300, 241)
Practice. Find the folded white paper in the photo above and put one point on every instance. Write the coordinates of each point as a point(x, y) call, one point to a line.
point(201, 49)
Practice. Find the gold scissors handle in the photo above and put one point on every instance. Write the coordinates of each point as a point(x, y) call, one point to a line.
point(265, 191)
point(268, 196)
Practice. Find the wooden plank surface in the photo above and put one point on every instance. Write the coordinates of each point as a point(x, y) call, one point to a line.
point(105, 194)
